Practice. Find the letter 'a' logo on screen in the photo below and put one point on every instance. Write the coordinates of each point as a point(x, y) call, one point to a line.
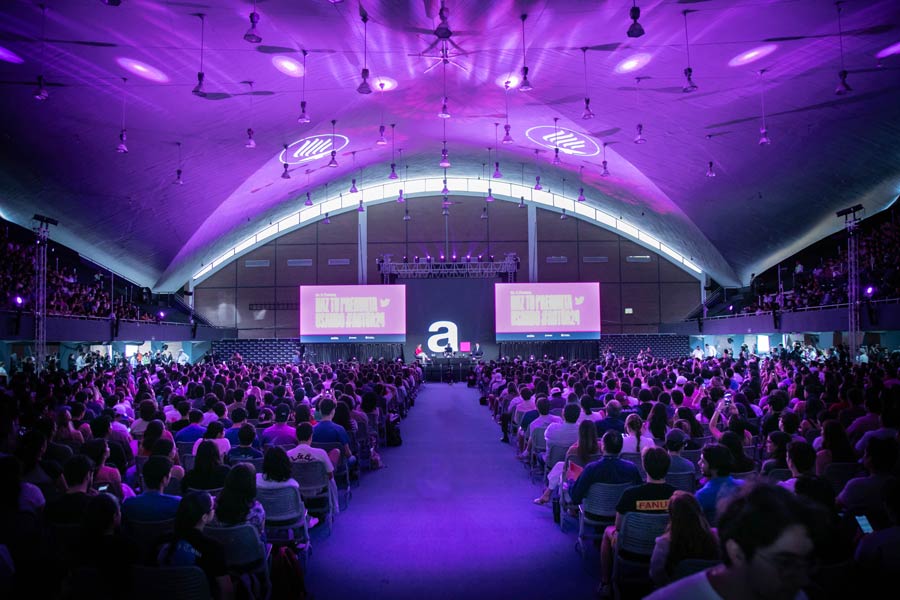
point(445, 332)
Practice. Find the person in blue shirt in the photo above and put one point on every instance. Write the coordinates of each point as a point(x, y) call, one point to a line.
point(195, 430)
point(328, 432)
point(715, 464)
point(609, 469)
point(244, 449)
point(613, 420)
point(153, 504)
point(232, 434)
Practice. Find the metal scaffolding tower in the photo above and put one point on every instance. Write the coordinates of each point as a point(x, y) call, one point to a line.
point(42, 233)
point(851, 224)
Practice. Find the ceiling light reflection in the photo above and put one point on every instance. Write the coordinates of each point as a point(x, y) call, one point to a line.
point(142, 69)
point(288, 66)
point(633, 63)
point(10, 56)
point(752, 55)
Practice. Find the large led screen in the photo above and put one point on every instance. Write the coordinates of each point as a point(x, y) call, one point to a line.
point(352, 313)
point(547, 311)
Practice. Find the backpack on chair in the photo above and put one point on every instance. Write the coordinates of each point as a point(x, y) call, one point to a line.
point(287, 575)
point(393, 431)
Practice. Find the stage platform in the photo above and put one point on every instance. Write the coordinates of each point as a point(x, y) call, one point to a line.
point(440, 369)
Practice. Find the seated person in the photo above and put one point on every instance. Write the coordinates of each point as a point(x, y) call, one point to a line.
point(280, 434)
point(715, 465)
point(153, 504)
point(78, 473)
point(190, 547)
point(878, 554)
point(688, 536)
point(327, 431)
point(215, 432)
point(477, 352)
point(421, 355)
point(195, 430)
point(609, 469)
point(208, 473)
point(105, 548)
point(244, 448)
point(448, 350)
point(862, 495)
point(236, 504)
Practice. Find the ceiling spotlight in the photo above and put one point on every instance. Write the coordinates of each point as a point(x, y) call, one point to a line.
point(445, 202)
point(521, 202)
point(361, 208)
point(556, 160)
point(122, 148)
point(639, 138)
point(353, 189)
point(445, 112)
point(381, 141)
point(605, 171)
point(252, 35)
point(445, 191)
point(484, 214)
point(556, 140)
point(507, 138)
point(497, 173)
point(304, 117)
point(333, 162)
point(309, 201)
point(364, 87)
point(400, 198)
point(689, 85)
point(588, 113)
point(764, 139)
point(537, 183)
point(843, 87)
point(563, 216)
point(445, 158)
point(490, 196)
point(524, 85)
point(710, 171)
point(285, 174)
point(178, 179)
point(581, 197)
point(40, 92)
point(251, 143)
point(198, 89)
point(406, 216)
point(445, 211)
point(393, 174)
point(326, 220)
point(635, 30)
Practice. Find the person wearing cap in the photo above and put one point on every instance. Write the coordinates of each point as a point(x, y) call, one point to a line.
point(280, 434)
point(675, 442)
point(556, 398)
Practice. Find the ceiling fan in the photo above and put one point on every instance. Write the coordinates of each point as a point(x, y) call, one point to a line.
point(443, 50)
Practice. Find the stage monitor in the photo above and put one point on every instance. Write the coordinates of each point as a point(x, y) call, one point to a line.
point(352, 313)
point(547, 311)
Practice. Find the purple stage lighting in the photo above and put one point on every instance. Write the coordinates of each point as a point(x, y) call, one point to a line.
point(161, 315)
point(870, 290)
point(892, 49)
point(752, 55)
point(288, 66)
point(10, 56)
point(19, 301)
point(633, 63)
point(730, 307)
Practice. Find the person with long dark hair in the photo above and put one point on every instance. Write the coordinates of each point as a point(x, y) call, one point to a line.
point(688, 536)
point(191, 547)
point(208, 473)
point(836, 446)
point(104, 548)
point(658, 421)
point(580, 453)
point(237, 502)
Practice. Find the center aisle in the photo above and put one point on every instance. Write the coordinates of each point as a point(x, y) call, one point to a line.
point(451, 516)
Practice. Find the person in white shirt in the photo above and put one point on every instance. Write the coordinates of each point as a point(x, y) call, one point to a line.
point(566, 433)
point(636, 437)
point(711, 351)
point(215, 432)
point(304, 452)
point(182, 357)
point(697, 353)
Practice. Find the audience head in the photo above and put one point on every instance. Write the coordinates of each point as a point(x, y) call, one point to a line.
point(237, 496)
point(571, 413)
point(716, 460)
point(208, 456)
point(102, 516)
point(612, 442)
point(656, 462)
point(543, 406)
point(155, 473)
point(776, 444)
point(634, 424)
point(801, 458)
point(78, 472)
point(326, 407)
point(304, 433)
point(282, 413)
point(587, 438)
point(675, 441)
point(246, 434)
point(194, 511)
point(613, 409)
point(195, 416)
point(276, 464)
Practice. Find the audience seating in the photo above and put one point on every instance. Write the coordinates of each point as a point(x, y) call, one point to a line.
point(600, 503)
point(149, 535)
point(779, 475)
point(690, 566)
point(838, 474)
point(634, 546)
point(682, 481)
point(286, 517)
point(169, 583)
point(314, 488)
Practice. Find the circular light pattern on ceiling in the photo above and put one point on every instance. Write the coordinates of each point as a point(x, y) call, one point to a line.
point(313, 147)
point(568, 141)
point(633, 63)
point(752, 55)
point(288, 66)
point(389, 84)
point(893, 49)
point(511, 78)
point(142, 69)
point(10, 56)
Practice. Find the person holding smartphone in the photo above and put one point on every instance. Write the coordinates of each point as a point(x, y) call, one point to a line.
point(878, 553)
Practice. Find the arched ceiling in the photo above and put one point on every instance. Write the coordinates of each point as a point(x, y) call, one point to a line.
point(828, 151)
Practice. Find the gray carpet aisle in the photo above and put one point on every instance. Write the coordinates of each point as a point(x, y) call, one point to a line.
point(450, 517)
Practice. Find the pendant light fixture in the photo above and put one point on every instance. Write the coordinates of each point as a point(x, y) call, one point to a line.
point(524, 85)
point(537, 178)
point(556, 160)
point(563, 216)
point(122, 148)
point(639, 138)
point(843, 87)
point(588, 113)
point(393, 174)
point(521, 202)
point(689, 85)
point(361, 208)
point(445, 112)
point(364, 87)
point(198, 89)
point(710, 171)
point(304, 116)
point(285, 174)
point(406, 216)
point(484, 214)
point(445, 190)
point(40, 92)
point(178, 171)
point(252, 35)
point(497, 173)
point(764, 139)
point(309, 201)
point(581, 197)
point(251, 143)
point(445, 154)
point(490, 194)
point(400, 198)
point(381, 141)
point(326, 220)
point(353, 189)
point(333, 162)
point(507, 137)
point(605, 171)
point(635, 30)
